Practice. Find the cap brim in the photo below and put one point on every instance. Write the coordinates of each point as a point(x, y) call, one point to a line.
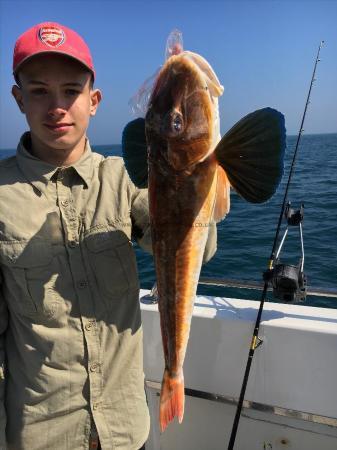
point(42, 52)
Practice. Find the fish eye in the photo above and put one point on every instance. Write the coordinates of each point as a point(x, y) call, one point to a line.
point(177, 123)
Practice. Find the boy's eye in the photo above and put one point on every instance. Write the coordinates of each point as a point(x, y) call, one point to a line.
point(39, 91)
point(72, 92)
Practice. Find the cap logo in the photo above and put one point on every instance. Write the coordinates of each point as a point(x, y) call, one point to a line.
point(51, 36)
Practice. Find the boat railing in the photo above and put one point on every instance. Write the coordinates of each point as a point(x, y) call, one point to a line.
point(241, 284)
point(213, 281)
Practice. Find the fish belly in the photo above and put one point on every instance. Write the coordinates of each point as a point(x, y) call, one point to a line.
point(181, 210)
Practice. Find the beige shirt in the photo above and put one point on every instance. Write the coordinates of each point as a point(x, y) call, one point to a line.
point(70, 325)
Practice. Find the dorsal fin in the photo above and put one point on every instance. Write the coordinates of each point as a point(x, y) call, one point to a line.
point(222, 196)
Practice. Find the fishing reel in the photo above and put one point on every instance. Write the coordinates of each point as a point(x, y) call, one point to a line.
point(289, 281)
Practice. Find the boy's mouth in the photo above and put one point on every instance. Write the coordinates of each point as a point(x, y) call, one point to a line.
point(59, 127)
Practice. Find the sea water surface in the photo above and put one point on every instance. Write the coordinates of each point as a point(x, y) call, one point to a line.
point(246, 235)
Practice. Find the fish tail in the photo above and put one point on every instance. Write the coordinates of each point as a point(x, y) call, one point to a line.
point(172, 399)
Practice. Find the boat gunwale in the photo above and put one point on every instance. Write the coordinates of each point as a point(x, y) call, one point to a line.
point(256, 406)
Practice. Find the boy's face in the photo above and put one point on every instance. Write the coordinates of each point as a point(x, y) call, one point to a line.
point(56, 96)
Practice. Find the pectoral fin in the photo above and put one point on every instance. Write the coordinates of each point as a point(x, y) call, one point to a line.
point(252, 152)
point(222, 198)
point(134, 150)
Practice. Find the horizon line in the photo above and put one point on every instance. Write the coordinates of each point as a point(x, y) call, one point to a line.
point(106, 145)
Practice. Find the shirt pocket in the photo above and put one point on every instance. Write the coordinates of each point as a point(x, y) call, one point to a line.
point(29, 277)
point(113, 262)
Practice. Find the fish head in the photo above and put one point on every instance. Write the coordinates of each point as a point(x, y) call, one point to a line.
point(179, 120)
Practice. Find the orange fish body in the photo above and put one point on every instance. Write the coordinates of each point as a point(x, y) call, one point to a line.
point(181, 211)
point(182, 190)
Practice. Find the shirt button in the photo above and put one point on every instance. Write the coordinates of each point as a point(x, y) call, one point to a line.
point(72, 244)
point(88, 326)
point(82, 284)
point(95, 406)
point(94, 367)
point(64, 203)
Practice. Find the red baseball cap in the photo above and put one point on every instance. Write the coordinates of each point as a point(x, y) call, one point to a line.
point(51, 37)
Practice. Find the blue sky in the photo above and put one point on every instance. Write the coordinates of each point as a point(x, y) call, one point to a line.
point(262, 51)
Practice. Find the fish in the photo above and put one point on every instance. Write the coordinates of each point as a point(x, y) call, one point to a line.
point(178, 153)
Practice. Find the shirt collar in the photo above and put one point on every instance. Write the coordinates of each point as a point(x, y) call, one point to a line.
point(39, 173)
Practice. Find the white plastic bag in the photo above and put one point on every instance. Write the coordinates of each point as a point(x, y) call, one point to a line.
point(140, 100)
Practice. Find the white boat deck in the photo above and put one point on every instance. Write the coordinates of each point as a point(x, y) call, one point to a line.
point(291, 393)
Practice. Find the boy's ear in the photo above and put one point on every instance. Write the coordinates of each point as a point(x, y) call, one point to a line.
point(95, 98)
point(17, 94)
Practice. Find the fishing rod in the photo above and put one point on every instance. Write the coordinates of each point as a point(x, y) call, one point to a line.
point(256, 341)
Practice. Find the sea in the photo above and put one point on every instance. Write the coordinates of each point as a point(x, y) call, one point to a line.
point(246, 235)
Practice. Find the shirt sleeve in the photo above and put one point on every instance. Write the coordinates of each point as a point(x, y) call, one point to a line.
point(3, 326)
point(141, 219)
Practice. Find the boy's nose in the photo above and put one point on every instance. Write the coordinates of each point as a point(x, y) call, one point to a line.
point(56, 112)
point(56, 107)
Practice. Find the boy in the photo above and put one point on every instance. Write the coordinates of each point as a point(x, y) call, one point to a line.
point(71, 362)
